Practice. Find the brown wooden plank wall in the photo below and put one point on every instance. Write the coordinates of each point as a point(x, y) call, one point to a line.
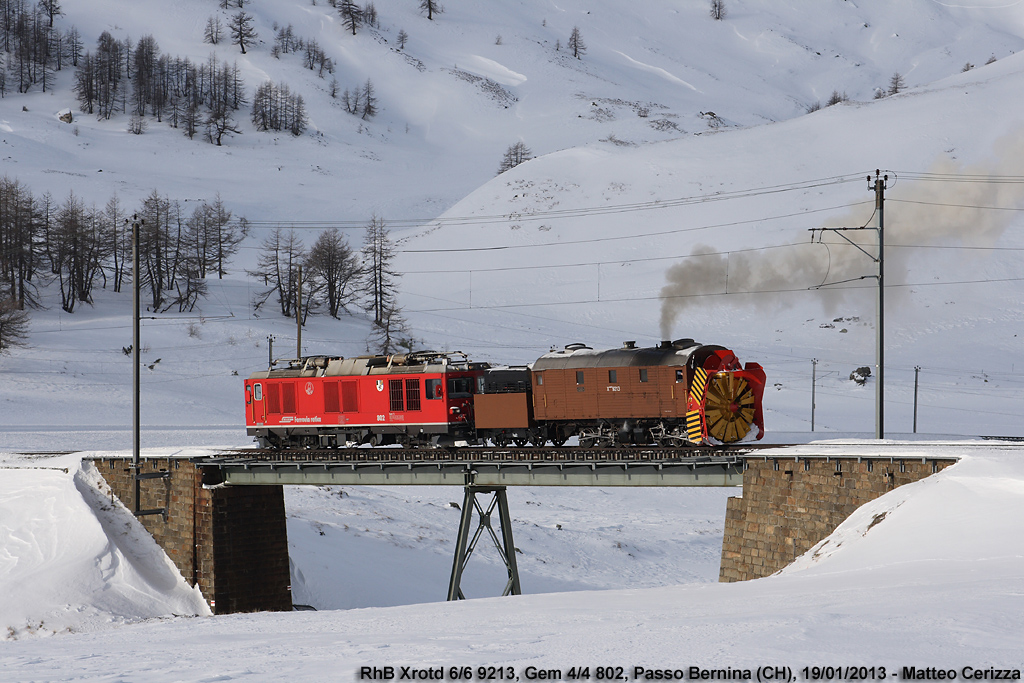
point(561, 398)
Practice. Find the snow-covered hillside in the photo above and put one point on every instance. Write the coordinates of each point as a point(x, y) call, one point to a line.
point(673, 136)
point(599, 235)
point(580, 242)
point(453, 99)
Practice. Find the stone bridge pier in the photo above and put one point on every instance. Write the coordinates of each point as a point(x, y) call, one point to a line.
point(231, 541)
point(790, 504)
point(224, 522)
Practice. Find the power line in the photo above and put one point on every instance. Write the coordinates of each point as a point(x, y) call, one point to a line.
point(570, 213)
point(730, 252)
point(985, 178)
point(577, 302)
point(955, 247)
point(603, 263)
point(594, 240)
point(956, 206)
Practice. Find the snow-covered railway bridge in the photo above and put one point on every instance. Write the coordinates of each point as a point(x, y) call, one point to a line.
point(482, 467)
point(223, 517)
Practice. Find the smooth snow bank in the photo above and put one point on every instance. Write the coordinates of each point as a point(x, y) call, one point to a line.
point(71, 560)
point(960, 522)
point(938, 582)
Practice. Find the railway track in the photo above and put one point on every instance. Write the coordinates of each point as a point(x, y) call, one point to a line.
point(547, 454)
point(576, 454)
point(483, 454)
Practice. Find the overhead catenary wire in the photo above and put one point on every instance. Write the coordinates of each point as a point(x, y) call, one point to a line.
point(645, 259)
point(954, 205)
point(554, 214)
point(675, 202)
point(659, 297)
point(572, 212)
point(616, 238)
point(986, 178)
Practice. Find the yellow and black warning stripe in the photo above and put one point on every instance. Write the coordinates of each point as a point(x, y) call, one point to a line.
point(699, 384)
point(694, 428)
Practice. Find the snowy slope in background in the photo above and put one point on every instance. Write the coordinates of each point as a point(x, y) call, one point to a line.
point(453, 100)
point(596, 232)
point(930, 584)
point(439, 137)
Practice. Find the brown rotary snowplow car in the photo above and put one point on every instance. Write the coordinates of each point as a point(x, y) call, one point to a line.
point(675, 394)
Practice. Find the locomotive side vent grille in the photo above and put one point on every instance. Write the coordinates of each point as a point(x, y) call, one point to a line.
point(288, 397)
point(273, 398)
point(397, 397)
point(331, 404)
point(349, 397)
point(412, 394)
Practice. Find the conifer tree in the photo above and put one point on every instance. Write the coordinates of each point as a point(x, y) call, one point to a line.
point(351, 15)
point(431, 7)
point(576, 44)
point(242, 31)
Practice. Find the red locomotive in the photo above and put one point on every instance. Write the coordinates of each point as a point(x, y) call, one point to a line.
point(329, 401)
point(675, 394)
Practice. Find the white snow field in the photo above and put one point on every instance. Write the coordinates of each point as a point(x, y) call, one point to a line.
point(936, 583)
point(678, 175)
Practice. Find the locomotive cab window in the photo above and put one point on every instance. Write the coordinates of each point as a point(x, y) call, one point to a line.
point(460, 387)
point(643, 374)
point(257, 392)
point(435, 389)
point(540, 379)
point(579, 377)
point(679, 376)
point(613, 377)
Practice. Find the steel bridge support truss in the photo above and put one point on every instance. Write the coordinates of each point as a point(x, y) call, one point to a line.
point(465, 546)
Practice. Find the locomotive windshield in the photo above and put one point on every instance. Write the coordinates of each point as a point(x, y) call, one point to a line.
point(460, 387)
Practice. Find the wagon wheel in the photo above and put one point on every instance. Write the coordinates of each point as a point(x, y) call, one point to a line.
point(520, 441)
point(558, 439)
point(537, 439)
point(500, 440)
point(729, 407)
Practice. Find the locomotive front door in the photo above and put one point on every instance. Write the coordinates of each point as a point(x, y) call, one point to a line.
point(258, 405)
point(680, 390)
